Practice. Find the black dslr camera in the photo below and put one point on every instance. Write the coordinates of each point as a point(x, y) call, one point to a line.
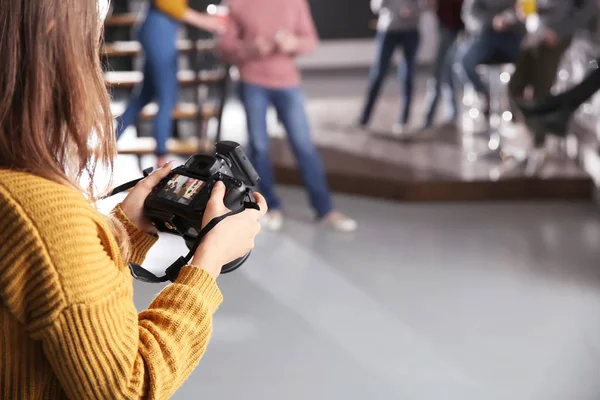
point(178, 202)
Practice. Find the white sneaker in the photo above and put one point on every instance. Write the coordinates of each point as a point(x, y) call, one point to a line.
point(401, 131)
point(339, 222)
point(272, 221)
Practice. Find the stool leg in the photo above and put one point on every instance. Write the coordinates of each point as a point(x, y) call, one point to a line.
point(494, 143)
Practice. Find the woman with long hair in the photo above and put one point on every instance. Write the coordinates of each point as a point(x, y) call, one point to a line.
point(68, 324)
point(158, 37)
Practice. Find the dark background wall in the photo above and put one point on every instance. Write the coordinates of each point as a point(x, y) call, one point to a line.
point(335, 19)
point(342, 19)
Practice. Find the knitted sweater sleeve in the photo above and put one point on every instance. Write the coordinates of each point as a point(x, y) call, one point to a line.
point(141, 242)
point(62, 278)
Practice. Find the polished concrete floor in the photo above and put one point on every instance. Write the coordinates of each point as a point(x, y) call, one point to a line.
point(436, 302)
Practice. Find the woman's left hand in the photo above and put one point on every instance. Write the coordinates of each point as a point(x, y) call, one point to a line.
point(287, 42)
point(133, 205)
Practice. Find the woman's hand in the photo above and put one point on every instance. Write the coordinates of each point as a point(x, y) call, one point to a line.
point(259, 46)
point(133, 205)
point(231, 238)
point(210, 23)
point(287, 42)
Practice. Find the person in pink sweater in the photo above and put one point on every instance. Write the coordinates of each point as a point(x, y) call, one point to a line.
point(262, 39)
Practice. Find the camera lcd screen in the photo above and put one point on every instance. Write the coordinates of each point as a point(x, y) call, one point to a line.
point(181, 189)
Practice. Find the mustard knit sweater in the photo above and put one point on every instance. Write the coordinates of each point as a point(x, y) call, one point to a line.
point(68, 325)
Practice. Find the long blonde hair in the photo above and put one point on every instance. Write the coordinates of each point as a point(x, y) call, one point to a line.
point(55, 118)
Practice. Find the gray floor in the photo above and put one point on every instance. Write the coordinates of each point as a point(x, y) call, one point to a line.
point(427, 301)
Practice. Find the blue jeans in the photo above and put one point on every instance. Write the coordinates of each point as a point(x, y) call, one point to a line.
point(158, 35)
point(442, 83)
point(289, 104)
point(484, 47)
point(386, 43)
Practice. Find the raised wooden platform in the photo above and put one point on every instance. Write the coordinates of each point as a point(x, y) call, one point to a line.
point(372, 176)
point(366, 174)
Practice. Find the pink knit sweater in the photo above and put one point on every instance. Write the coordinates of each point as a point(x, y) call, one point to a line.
point(249, 19)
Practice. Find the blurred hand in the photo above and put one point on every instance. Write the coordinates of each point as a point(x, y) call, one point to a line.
point(500, 23)
point(551, 38)
point(260, 46)
point(133, 205)
point(406, 12)
point(230, 239)
point(210, 23)
point(286, 42)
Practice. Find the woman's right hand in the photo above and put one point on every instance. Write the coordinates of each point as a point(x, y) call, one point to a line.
point(213, 24)
point(231, 238)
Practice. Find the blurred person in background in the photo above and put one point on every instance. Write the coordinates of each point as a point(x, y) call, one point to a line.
point(552, 114)
point(494, 32)
point(442, 84)
point(263, 39)
point(68, 324)
point(158, 36)
point(397, 27)
point(538, 64)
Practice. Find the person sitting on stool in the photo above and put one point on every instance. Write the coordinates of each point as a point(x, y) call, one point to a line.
point(495, 32)
point(537, 66)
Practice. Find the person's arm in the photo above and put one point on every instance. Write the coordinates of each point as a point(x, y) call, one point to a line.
point(377, 5)
point(173, 8)
point(66, 283)
point(140, 241)
point(475, 13)
point(178, 9)
point(231, 45)
point(308, 38)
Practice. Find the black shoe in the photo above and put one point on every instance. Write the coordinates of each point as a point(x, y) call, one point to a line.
point(555, 123)
point(540, 106)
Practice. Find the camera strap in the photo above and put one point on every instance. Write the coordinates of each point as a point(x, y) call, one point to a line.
point(172, 272)
point(128, 185)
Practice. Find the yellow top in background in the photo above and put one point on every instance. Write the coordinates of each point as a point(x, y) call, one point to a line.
point(528, 7)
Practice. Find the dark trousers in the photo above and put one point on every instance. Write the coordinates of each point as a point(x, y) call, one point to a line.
point(537, 67)
point(387, 42)
point(484, 47)
point(442, 84)
point(289, 104)
point(574, 97)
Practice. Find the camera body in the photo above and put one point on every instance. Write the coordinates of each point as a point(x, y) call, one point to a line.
point(177, 204)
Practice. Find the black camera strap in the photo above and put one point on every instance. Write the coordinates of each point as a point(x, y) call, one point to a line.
point(128, 185)
point(172, 272)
